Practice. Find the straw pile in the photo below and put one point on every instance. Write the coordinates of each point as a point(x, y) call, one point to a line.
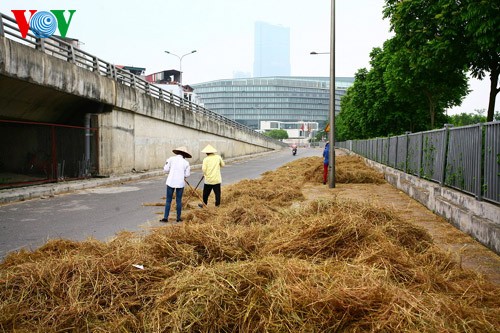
point(348, 169)
point(255, 264)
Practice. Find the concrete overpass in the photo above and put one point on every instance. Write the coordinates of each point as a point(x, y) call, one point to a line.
point(118, 122)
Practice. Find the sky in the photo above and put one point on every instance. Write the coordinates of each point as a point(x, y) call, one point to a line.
point(136, 33)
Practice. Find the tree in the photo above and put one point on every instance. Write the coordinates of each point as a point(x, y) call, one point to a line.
point(464, 119)
point(424, 64)
point(320, 135)
point(278, 134)
point(349, 122)
point(371, 109)
point(393, 110)
point(481, 26)
point(463, 34)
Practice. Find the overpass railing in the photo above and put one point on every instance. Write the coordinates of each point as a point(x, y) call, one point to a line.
point(465, 158)
point(63, 50)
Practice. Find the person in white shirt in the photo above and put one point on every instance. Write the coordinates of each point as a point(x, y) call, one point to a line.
point(177, 168)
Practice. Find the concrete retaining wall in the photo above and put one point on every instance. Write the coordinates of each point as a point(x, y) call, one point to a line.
point(136, 131)
point(131, 141)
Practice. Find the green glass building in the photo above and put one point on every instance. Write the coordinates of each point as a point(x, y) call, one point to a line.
point(279, 98)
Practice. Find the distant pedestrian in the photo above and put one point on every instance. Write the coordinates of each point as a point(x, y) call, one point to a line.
point(177, 168)
point(326, 158)
point(211, 171)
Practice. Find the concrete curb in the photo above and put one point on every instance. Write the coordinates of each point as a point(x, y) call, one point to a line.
point(50, 189)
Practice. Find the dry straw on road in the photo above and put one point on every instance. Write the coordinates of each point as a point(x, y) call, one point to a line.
point(265, 261)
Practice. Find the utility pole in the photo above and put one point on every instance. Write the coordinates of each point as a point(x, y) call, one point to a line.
point(180, 62)
point(331, 133)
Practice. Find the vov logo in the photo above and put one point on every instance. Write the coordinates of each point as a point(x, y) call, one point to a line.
point(43, 23)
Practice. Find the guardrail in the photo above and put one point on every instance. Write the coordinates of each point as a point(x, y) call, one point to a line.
point(66, 51)
point(465, 158)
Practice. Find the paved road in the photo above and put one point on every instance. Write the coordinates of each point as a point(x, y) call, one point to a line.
point(101, 212)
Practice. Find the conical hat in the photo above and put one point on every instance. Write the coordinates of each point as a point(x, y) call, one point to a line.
point(182, 151)
point(209, 150)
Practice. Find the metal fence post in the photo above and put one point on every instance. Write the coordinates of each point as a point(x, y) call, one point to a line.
point(395, 166)
point(40, 44)
point(444, 152)
point(388, 139)
point(407, 145)
point(2, 29)
point(480, 160)
point(420, 155)
point(109, 71)
point(95, 64)
point(71, 57)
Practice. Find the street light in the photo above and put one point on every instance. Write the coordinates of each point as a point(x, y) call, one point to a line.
point(180, 62)
point(331, 133)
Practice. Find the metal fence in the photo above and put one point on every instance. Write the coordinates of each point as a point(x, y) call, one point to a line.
point(66, 51)
point(463, 168)
point(465, 158)
point(491, 183)
point(49, 153)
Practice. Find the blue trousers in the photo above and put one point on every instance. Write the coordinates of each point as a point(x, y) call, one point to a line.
point(178, 201)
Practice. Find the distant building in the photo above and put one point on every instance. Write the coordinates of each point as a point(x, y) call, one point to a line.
point(169, 80)
point(283, 99)
point(299, 132)
point(171, 76)
point(139, 71)
point(272, 50)
point(294, 129)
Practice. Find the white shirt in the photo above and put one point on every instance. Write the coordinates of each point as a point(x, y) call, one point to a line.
point(177, 168)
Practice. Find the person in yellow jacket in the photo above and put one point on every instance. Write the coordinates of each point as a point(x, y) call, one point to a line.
point(211, 171)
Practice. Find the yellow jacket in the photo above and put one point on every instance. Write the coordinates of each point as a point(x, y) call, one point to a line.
point(211, 169)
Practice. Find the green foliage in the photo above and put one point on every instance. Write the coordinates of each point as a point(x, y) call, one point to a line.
point(425, 66)
point(428, 158)
point(422, 70)
point(278, 134)
point(373, 106)
point(481, 22)
point(320, 135)
point(454, 34)
point(464, 119)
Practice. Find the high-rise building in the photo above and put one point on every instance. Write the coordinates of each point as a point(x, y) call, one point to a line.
point(271, 50)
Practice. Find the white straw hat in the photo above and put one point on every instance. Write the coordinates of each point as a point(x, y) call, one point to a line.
point(209, 150)
point(182, 151)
